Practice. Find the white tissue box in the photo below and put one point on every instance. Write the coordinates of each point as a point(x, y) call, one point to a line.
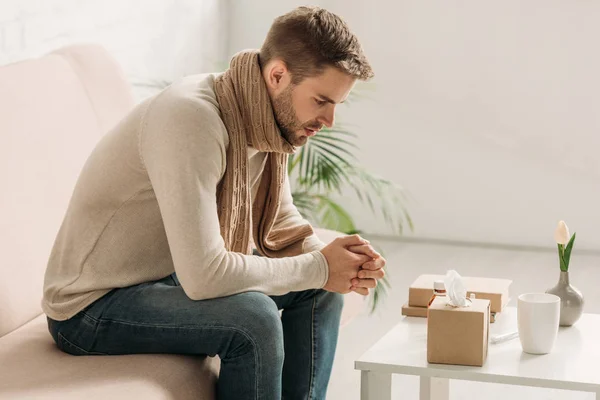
point(458, 335)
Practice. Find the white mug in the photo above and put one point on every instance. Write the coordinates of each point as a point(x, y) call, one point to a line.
point(538, 315)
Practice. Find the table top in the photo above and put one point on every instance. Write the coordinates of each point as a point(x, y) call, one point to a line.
point(574, 363)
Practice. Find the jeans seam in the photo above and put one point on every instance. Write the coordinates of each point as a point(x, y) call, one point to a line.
point(65, 341)
point(312, 361)
point(244, 333)
point(89, 317)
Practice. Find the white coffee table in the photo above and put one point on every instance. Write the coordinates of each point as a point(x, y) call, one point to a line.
point(574, 364)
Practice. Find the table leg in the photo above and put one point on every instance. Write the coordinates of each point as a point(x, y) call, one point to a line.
point(435, 388)
point(375, 386)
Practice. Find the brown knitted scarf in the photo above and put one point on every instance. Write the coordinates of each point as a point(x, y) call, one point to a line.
point(248, 116)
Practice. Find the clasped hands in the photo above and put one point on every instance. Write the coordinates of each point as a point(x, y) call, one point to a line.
point(353, 265)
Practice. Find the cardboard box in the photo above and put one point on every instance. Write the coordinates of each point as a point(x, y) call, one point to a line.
point(458, 335)
point(492, 289)
point(414, 311)
point(421, 312)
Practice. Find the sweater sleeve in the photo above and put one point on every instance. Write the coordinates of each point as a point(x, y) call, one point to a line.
point(290, 216)
point(183, 148)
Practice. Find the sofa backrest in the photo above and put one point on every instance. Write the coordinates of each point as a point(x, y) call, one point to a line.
point(53, 110)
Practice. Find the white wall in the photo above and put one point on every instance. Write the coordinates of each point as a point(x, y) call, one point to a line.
point(488, 113)
point(152, 40)
point(485, 112)
point(250, 20)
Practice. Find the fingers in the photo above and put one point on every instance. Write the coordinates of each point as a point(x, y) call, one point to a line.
point(365, 249)
point(378, 263)
point(351, 240)
point(368, 274)
point(363, 283)
point(360, 259)
point(362, 291)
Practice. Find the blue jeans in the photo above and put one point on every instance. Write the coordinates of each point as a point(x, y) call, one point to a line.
point(245, 330)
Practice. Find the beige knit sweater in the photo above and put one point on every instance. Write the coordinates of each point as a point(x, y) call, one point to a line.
point(145, 206)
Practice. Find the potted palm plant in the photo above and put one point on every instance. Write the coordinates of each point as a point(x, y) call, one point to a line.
point(324, 168)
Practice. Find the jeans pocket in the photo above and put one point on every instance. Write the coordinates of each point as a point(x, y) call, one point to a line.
point(71, 348)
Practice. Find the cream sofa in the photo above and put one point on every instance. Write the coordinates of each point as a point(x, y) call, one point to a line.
point(52, 112)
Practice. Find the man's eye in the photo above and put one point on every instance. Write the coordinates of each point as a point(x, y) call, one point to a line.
point(320, 102)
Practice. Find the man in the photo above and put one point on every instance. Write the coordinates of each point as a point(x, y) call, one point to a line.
point(155, 252)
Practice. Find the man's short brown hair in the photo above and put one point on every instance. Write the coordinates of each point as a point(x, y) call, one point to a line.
point(308, 39)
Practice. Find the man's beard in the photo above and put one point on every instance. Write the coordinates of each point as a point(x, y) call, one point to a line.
point(285, 116)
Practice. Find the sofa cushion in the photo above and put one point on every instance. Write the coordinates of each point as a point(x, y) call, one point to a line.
point(32, 366)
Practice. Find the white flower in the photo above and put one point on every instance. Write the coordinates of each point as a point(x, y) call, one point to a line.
point(561, 234)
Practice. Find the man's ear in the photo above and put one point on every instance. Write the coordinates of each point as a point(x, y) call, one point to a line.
point(277, 76)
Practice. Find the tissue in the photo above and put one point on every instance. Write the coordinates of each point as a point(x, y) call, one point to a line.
point(456, 290)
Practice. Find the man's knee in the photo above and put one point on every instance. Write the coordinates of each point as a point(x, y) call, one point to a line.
point(332, 301)
point(259, 327)
point(261, 312)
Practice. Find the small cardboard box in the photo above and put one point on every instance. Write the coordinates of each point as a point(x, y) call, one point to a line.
point(414, 311)
point(458, 335)
point(421, 312)
point(492, 289)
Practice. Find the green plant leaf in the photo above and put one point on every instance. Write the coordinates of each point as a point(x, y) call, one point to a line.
point(379, 293)
point(292, 163)
point(377, 296)
point(560, 257)
point(567, 254)
point(308, 166)
point(330, 142)
point(306, 203)
point(344, 139)
point(330, 173)
point(340, 129)
point(325, 174)
point(390, 196)
point(322, 162)
point(333, 216)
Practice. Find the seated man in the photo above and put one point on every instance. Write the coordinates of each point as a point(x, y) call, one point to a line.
point(155, 251)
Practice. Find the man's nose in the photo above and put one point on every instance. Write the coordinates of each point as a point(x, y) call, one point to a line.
point(328, 118)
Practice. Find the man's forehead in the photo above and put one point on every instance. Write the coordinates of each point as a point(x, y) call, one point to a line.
point(331, 86)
